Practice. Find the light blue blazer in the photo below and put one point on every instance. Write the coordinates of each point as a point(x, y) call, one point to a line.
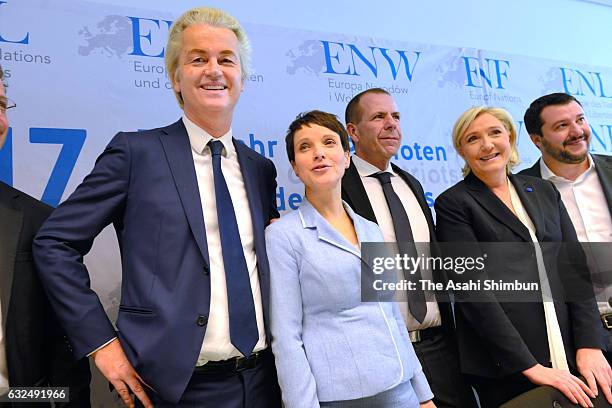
point(328, 345)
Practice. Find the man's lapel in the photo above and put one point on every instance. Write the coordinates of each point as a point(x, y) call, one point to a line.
point(603, 166)
point(10, 229)
point(175, 142)
point(355, 194)
point(418, 193)
point(494, 206)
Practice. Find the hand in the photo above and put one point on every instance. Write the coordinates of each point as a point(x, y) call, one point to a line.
point(571, 386)
point(592, 365)
point(428, 404)
point(114, 365)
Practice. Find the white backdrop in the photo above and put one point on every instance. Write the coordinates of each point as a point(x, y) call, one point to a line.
point(81, 71)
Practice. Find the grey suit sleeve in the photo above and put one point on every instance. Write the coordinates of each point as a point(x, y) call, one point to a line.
point(295, 377)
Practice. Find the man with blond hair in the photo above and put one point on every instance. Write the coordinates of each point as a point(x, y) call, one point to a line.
point(189, 204)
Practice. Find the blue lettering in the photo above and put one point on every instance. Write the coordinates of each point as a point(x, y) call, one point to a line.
point(500, 73)
point(585, 80)
point(373, 67)
point(136, 36)
point(428, 153)
point(72, 141)
point(404, 59)
point(567, 81)
point(474, 72)
point(440, 153)
point(328, 59)
point(600, 139)
point(294, 201)
point(469, 70)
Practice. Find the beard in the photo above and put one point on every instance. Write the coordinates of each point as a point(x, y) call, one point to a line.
point(563, 155)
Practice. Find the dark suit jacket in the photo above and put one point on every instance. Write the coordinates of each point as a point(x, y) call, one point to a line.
point(355, 195)
point(145, 184)
point(603, 167)
point(38, 354)
point(498, 339)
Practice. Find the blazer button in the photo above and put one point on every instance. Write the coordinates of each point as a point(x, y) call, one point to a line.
point(206, 270)
point(202, 320)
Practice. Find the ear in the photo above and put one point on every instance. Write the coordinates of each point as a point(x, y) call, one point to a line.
point(352, 131)
point(176, 81)
point(537, 140)
point(347, 157)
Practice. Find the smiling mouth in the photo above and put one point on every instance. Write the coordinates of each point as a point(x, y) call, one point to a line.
point(489, 157)
point(214, 87)
point(574, 141)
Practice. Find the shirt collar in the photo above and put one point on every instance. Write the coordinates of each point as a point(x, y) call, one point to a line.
point(366, 169)
point(199, 138)
point(547, 173)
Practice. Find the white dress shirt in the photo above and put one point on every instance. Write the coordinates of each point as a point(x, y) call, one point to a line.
point(418, 224)
point(553, 330)
point(217, 344)
point(586, 204)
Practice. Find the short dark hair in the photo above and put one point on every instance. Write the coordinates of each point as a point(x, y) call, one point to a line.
point(315, 117)
point(533, 114)
point(352, 114)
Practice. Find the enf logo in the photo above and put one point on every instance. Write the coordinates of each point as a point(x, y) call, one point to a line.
point(491, 72)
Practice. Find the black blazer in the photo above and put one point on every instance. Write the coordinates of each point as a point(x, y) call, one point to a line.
point(37, 352)
point(603, 167)
point(498, 339)
point(355, 195)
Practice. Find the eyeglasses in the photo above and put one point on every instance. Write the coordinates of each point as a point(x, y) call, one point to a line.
point(6, 104)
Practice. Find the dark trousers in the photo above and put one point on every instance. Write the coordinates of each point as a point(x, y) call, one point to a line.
point(492, 392)
point(251, 388)
point(439, 358)
point(608, 343)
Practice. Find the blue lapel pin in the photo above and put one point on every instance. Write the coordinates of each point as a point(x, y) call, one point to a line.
point(529, 189)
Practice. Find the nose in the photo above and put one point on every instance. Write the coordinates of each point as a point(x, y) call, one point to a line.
point(212, 68)
point(390, 121)
point(576, 129)
point(318, 152)
point(486, 144)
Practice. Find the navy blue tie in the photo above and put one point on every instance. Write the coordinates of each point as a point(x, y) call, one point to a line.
point(242, 319)
point(405, 242)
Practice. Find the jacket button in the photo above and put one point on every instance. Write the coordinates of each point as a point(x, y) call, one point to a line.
point(202, 320)
point(206, 270)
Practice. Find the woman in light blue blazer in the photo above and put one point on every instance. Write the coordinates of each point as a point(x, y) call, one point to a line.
point(332, 349)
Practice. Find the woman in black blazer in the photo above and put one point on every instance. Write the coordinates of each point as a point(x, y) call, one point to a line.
point(504, 346)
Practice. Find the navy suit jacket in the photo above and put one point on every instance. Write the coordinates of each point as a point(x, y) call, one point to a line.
point(145, 184)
